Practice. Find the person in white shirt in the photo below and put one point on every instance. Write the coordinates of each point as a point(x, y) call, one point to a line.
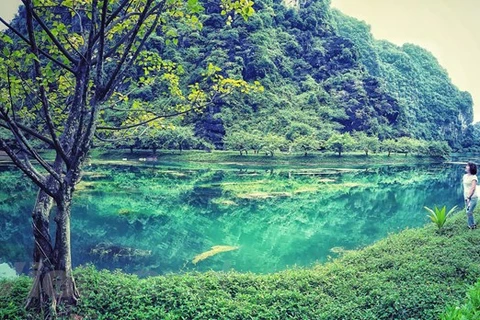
point(470, 193)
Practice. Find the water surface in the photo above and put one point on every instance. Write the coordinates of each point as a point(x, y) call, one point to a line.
point(155, 219)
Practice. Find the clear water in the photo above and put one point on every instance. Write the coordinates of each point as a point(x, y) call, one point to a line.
point(155, 220)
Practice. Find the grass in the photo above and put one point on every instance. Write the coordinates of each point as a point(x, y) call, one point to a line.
point(414, 274)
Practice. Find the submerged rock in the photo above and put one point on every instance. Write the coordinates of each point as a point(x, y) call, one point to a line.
point(213, 251)
point(111, 251)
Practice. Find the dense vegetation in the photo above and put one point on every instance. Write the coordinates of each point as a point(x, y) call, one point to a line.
point(431, 106)
point(326, 85)
point(323, 74)
point(410, 275)
point(469, 310)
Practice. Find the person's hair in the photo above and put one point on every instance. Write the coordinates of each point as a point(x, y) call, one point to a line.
point(473, 167)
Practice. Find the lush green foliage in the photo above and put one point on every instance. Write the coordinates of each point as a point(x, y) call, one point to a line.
point(469, 310)
point(471, 138)
point(431, 107)
point(439, 215)
point(411, 275)
point(322, 72)
point(340, 143)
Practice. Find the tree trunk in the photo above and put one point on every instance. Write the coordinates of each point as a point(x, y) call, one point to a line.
point(53, 279)
point(62, 251)
point(131, 150)
point(41, 227)
point(388, 153)
point(43, 261)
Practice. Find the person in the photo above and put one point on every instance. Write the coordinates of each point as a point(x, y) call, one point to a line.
point(470, 193)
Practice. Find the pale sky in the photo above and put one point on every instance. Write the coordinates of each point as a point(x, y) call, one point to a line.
point(8, 8)
point(450, 29)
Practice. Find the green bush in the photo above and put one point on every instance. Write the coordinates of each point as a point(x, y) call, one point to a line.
point(470, 310)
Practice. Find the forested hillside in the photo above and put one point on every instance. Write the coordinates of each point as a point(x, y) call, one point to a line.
point(322, 73)
point(431, 106)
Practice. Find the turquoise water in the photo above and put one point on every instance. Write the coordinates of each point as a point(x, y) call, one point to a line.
point(155, 220)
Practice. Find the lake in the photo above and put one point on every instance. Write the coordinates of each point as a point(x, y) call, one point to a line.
point(155, 219)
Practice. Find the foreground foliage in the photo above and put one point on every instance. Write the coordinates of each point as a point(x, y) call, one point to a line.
point(469, 310)
point(410, 275)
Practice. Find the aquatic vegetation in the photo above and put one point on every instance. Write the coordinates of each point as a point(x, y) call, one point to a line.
point(85, 186)
point(224, 202)
point(213, 251)
point(263, 195)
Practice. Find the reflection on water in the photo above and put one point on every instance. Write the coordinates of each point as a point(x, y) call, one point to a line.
point(158, 219)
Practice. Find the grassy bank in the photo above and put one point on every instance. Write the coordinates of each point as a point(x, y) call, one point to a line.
point(261, 159)
point(411, 275)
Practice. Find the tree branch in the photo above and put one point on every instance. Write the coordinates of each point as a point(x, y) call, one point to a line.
point(48, 56)
point(137, 52)
point(120, 64)
point(117, 11)
point(52, 37)
point(28, 130)
point(51, 128)
point(147, 121)
point(119, 139)
point(25, 145)
point(98, 80)
point(36, 177)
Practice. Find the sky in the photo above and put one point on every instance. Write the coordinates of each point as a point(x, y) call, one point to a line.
point(449, 29)
point(8, 8)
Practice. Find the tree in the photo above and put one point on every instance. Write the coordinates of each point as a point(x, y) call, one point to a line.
point(183, 137)
point(366, 143)
point(389, 145)
point(235, 140)
point(272, 142)
point(438, 149)
point(407, 145)
point(255, 140)
point(74, 62)
point(340, 142)
point(306, 144)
